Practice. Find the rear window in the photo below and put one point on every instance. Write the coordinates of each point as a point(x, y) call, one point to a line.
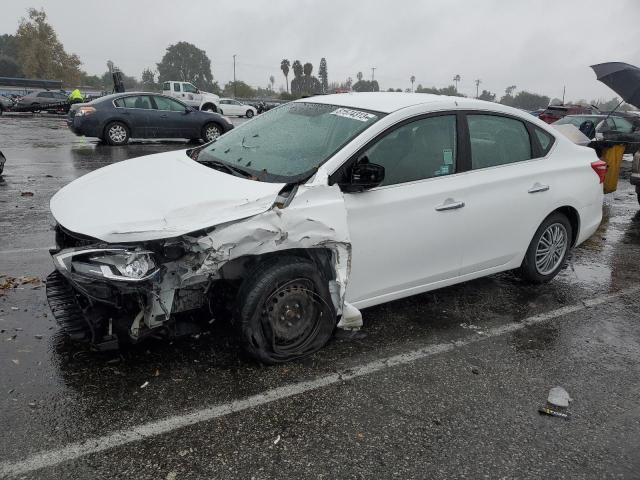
point(545, 139)
point(166, 86)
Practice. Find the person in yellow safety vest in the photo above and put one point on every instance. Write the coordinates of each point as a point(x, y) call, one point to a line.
point(76, 97)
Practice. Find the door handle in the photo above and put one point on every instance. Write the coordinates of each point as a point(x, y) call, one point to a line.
point(538, 187)
point(449, 204)
point(163, 116)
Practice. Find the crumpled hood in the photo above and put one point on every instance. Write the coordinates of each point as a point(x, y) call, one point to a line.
point(157, 196)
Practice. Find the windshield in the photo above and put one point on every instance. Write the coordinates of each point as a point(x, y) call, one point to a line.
point(289, 142)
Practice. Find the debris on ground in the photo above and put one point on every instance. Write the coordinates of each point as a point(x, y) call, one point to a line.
point(8, 283)
point(26, 194)
point(277, 440)
point(144, 385)
point(557, 403)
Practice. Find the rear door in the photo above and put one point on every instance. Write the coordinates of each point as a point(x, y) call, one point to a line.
point(136, 111)
point(510, 192)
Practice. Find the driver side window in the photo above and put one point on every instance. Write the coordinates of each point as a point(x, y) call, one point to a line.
point(419, 150)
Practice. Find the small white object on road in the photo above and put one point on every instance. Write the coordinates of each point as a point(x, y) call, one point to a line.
point(277, 440)
point(144, 384)
point(559, 397)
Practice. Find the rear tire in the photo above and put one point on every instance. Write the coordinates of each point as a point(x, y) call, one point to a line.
point(548, 249)
point(116, 133)
point(284, 311)
point(249, 113)
point(211, 131)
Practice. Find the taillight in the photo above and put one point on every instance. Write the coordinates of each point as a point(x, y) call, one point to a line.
point(84, 111)
point(600, 168)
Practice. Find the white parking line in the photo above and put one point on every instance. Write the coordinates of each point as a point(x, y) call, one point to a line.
point(25, 250)
point(122, 437)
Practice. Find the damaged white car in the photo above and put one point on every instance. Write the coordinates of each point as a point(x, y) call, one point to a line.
point(297, 219)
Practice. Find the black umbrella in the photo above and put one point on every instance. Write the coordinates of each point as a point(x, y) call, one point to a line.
point(622, 78)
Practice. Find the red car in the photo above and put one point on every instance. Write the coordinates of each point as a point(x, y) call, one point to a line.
point(554, 113)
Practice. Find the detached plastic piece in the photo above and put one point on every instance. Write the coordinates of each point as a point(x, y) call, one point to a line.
point(557, 403)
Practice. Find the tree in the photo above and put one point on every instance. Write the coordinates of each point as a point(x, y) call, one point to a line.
point(456, 80)
point(242, 89)
point(509, 90)
point(487, 95)
point(529, 101)
point(359, 76)
point(40, 53)
point(307, 69)
point(185, 62)
point(297, 69)
point(148, 79)
point(324, 77)
point(9, 67)
point(272, 80)
point(412, 80)
point(366, 86)
point(284, 66)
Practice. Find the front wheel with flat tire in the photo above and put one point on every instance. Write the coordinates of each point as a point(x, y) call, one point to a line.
point(116, 133)
point(249, 113)
point(548, 249)
point(211, 131)
point(284, 311)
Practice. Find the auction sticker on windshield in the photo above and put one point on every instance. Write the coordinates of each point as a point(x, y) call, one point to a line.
point(353, 114)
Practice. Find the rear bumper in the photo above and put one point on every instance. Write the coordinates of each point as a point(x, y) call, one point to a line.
point(590, 219)
point(83, 126)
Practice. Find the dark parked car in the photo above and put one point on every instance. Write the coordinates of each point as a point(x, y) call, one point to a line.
point(117, 118)
point(613, 128)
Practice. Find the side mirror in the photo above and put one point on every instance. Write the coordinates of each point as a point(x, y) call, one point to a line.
point(364, 175)
point(197, 90)
point(188, 109)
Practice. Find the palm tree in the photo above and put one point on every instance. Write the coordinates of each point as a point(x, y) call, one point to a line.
point(284, 66)
point(359, 76)
point(413, 80)
point(456, 79)
point(272, 80)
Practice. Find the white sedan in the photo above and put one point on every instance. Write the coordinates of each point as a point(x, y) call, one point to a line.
point(317, 209)
point(230, 106)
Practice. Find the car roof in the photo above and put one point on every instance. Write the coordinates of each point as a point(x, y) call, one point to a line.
point(387, 102)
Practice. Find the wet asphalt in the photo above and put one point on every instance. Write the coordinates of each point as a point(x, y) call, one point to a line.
point(470, 410)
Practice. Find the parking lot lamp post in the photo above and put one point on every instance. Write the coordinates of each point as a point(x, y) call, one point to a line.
point(234, 75)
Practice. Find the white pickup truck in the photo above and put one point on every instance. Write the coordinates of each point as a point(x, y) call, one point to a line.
point(192, 96)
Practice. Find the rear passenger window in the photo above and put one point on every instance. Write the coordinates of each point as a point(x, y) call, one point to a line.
point(497, 140)
point(166, 86)
point(418, 150)
point(545, 139)
point(176, 87)
point(141, 102)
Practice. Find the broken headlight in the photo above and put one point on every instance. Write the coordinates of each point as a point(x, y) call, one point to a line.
point(112, 264)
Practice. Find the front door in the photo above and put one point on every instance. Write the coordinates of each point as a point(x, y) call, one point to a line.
point(170, 120)
point(406, 233)
point(191, 95)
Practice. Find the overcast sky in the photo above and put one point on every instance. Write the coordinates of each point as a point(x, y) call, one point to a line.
point(537, 45)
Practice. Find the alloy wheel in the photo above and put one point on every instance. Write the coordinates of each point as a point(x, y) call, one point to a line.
point(117, 134)
point(212, 132)
point(552, 246)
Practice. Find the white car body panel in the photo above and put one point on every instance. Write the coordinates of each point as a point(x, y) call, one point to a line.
point(235, 108)
point(196, 100)
point(388, 242)
point(157, 196)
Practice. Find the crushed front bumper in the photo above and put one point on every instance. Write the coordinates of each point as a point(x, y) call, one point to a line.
point(69, 309)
